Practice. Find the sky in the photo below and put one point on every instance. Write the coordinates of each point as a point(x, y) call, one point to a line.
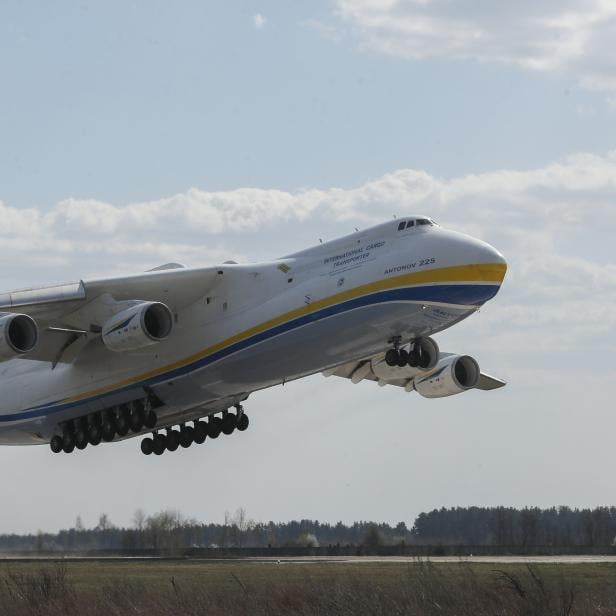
point(139, 132)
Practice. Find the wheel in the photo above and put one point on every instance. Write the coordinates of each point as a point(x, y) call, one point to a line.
point(413, 359)
point(137, 419)
point(214, 427)
point(172, 440)
point(402, 358)
point(147, 446)
point(200, 433)
point(158, 445)
point(186, 436)
point(68, 442)
point(122, 425)
point(424, 361)
point(229, 421)
point(391, 357)
point(81, 439)
point(108, 431)
point(150, 420)
point(242, 422)
point(56, 443)
point(94, 435)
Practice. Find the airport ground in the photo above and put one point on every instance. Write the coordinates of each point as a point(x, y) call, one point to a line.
point(505, 586)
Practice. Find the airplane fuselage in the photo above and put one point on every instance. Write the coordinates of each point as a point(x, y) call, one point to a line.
point(264, 324)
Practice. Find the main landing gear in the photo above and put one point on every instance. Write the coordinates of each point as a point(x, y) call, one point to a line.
point(104, 426)
point(173, 439)
point(415, 357)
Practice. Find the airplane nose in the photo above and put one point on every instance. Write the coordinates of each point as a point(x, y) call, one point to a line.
point(489, 254)
point(486, 255)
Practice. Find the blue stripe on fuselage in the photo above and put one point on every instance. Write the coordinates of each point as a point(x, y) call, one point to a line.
point(461, 294)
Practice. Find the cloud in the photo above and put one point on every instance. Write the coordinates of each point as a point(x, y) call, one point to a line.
point(554, 224)
point(259, 21)
point(566, 36)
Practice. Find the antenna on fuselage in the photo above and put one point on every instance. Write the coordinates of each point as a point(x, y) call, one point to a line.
point(320, 241)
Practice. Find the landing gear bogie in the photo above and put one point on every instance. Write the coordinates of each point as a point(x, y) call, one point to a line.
point(195, 434)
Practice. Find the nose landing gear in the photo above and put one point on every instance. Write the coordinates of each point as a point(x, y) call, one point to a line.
point(415, 357)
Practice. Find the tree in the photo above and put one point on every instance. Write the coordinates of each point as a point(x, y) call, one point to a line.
point(243, 524)
point(373, 537)
point(104, 523)
point(139, 519)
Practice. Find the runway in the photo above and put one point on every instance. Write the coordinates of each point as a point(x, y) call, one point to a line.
point(350, 560)
point(333, 560)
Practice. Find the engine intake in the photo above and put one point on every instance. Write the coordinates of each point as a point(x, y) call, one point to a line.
point(18, 334)
point(139, 326)
point(452, 375)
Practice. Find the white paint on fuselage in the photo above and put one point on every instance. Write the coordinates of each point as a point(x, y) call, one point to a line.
point(245, 297)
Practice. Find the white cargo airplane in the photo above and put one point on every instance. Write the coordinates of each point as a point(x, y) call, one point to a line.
point(113, 358)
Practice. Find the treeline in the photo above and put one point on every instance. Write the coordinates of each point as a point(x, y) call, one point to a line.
point(560, 527)
point(169, 530)
point(503, 526)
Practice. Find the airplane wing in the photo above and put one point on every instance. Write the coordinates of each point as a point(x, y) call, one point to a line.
point(363, 370)
point(69, 316)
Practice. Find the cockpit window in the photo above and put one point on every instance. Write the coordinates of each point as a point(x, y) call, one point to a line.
point(410, 223)
point(424, 221)
point(401, 225)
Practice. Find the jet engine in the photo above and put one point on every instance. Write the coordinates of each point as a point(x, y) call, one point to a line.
point(139, 326)
point(452, 375)
point(18, 334)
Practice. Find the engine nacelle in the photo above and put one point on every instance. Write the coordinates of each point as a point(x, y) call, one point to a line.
point(452, 375)
point(18, 334)
point(392, 373)
point(137, 327)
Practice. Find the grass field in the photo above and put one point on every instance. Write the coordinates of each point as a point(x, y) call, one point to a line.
point(252, 588)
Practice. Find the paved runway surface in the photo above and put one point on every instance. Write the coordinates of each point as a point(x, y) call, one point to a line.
point(440, 559)
point(346, 560)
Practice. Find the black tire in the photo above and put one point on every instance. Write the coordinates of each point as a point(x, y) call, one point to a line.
point(81, 439)
point(150, 420)
point(243, 422)
point(413, 359)
point(214, 427)
point(147, 446)
point(94, 435)
point(403, 357)
point(56, 443)
point(200, 433)
point(68, 442)
point(108, 431)
point(172, 440)
point(186, 437)
point(122, 425)
point(391, 357)
point(424, 362)
point(137, 419)
point(229, 422)
point(158, 446)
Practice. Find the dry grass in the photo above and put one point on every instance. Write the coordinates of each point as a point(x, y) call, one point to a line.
point(253, 589)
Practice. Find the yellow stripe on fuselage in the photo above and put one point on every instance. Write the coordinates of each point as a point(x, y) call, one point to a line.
point(484, 273)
